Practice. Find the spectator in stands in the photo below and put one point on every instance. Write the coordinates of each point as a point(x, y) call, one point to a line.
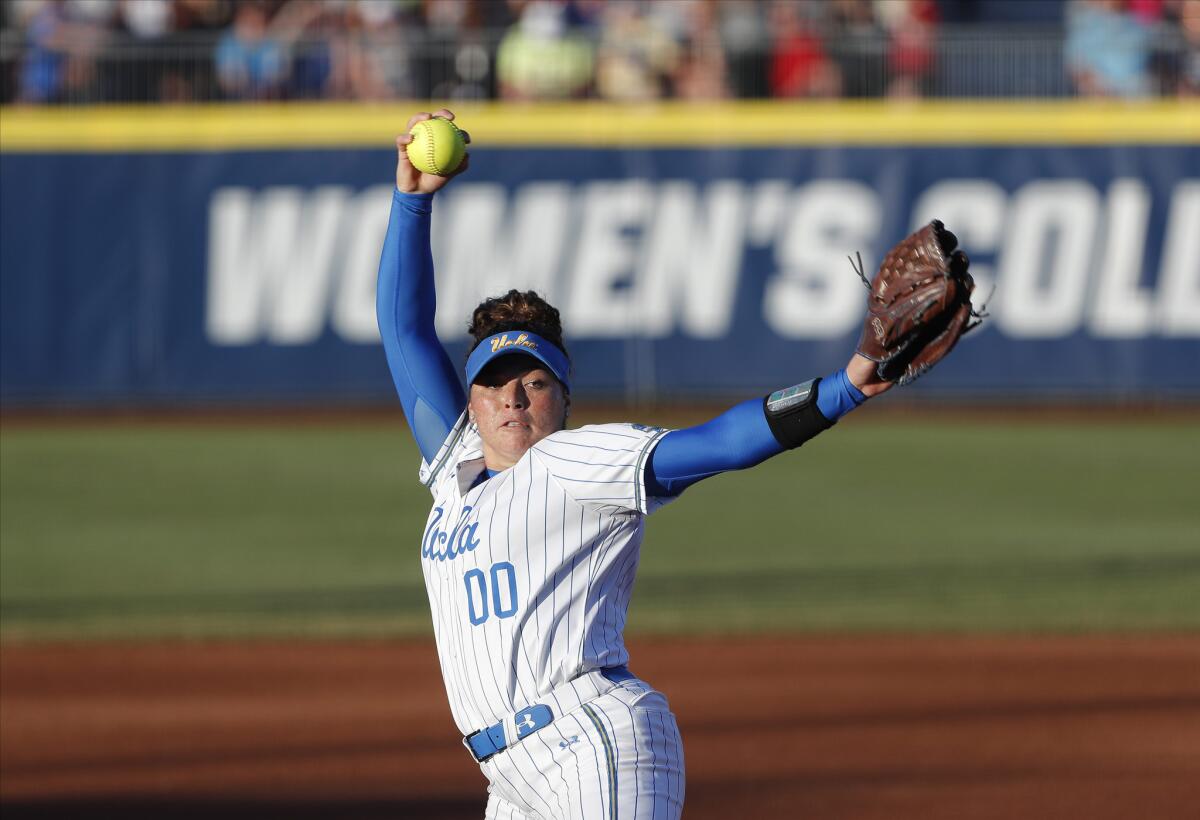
point(9, 32)
point(912, 25)
point(1175, 62)
point(309, 29)
point(859, 45)
point(191, 74)
point(369, 58)
point(146, 19)
point(250, 60)
point(1175, 58)
point(1149, 12)
point(636, 56)
point(44, 65)
point(62, 42)
point(800, 66)
point(701, 73)
point(144, 26)
point(746, 45)
point(200, 17)
point(1189, 77)
point(455, 61)
point(542, 56)
point(1107, 49)
point(148, 50)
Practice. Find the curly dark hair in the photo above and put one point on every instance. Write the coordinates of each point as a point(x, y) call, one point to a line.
point(517, 310)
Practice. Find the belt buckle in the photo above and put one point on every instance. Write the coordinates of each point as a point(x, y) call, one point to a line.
point(470, 750)
point(527, 721)
point(495, 734)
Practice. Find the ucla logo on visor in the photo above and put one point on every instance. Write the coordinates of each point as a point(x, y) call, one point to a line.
point(498, 343)
point(519, 341)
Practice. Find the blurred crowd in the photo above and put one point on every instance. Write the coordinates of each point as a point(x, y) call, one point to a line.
point(1133, 48)
point(79, 51)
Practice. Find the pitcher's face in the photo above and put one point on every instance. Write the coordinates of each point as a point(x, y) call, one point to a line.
point(515, 402)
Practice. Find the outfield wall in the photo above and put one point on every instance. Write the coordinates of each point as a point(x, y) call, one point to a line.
point(228, 253)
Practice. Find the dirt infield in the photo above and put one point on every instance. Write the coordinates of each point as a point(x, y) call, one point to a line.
point(881, 727)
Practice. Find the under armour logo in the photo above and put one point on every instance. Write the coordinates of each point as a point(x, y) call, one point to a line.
point(562, 744)
point(532, 719)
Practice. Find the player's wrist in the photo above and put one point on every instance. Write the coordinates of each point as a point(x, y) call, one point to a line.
point(862, 374)
point(420, 205)
point(415, 195)
point(838, 395)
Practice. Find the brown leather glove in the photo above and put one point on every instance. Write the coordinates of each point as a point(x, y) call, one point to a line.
point(920, 305)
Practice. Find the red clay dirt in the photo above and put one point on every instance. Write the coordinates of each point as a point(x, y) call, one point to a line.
point(813, 727)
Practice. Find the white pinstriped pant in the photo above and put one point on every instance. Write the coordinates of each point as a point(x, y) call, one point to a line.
point(617, 756)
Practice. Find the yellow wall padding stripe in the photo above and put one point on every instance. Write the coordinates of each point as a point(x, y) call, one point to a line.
point(221, 127)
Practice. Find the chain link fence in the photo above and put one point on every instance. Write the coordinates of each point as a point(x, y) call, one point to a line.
point(964, 62)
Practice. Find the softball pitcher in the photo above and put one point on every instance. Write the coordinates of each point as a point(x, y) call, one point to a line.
point(530, 551)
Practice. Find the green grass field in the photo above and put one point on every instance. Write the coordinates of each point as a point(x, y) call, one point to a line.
point(244, 530)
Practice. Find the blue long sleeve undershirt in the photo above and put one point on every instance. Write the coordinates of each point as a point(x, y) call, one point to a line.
point(433, 398)
point(738, 438)
point(425, 379)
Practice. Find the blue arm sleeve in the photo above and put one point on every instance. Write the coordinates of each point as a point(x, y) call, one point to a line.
point(738, 438)
point(425, 379)
point(734, 440)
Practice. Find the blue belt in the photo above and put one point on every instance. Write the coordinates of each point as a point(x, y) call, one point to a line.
point(490, 741)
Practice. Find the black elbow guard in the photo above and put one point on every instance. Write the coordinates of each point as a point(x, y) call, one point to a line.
point(793, 416)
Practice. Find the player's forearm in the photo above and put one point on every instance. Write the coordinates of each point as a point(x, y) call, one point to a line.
point(425, 379)
point(740, 437)
point(405, 298)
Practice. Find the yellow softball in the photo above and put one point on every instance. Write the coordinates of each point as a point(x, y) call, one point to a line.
point(437, 146)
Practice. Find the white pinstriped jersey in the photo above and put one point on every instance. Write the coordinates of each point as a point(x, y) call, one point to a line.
point(529, 573)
